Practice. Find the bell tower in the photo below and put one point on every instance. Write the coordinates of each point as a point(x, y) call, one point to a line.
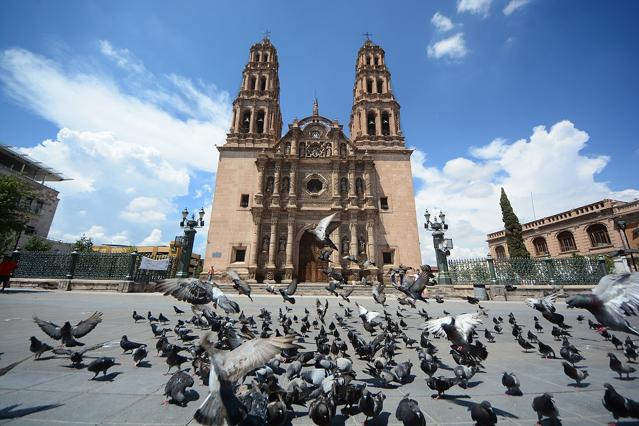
point(375, 115)
point(257, 119)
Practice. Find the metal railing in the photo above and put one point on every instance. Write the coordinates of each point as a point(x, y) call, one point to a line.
point(92, 265)
point(523, 271)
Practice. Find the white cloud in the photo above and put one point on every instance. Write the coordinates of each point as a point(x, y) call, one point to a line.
point(549, 164)
point(149, 210)
point(476, 7)
point(123, 58)
point(453, 47)
point(98, 235)
point(441, 22)
point(121, 141)
point(514, 5)
point(153, 239)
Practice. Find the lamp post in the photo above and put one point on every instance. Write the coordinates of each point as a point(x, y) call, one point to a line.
point(189, 226)
point(622, 225)
point(441, 244)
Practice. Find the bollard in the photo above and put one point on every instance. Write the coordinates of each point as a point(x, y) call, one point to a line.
point(15, 255)
point(74, 261)
point(132, 263)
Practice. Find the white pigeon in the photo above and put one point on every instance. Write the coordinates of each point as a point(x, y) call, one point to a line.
point(365, 314)
point(320, 232)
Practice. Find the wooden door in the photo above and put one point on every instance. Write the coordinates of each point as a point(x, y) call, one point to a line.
point(309, 268)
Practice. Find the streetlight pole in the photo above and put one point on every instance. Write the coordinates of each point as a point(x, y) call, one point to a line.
point(439, 243)
point(189, 226)
point(621, 225)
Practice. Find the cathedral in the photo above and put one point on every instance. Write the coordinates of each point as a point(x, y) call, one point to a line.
point(271, 188)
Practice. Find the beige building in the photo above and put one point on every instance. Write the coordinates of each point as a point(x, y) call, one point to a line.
point(271, 188)
point(43, 200)
point(587, 230)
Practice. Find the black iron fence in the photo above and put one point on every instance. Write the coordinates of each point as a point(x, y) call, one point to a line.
point(92, 265)
point(521, 271)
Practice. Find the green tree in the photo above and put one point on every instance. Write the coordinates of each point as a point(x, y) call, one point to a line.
point(38, 244)
point(84, 244)
point(514, 239)
point(13, 214)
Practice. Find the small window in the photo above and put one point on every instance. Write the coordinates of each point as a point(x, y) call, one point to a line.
point(380, 86)
point(240, 255)
point(29, 230)
point(37, 208)
point(314, 186)
point(383, 203)
point(244, 200)
point(376, 60)
point(387, 257)
point(369, 86)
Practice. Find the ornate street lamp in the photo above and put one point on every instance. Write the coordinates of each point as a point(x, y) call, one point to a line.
point(189, 226)
point(442, 245)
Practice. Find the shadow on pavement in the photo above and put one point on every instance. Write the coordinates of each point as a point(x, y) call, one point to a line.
point(10, 412)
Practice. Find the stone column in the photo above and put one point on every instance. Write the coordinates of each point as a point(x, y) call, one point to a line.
point(255, 248)
point(335, 178)
point(392, 125)
point(276, 183)
point(337, 255)
point(288, 268)
point(351, 179)
point(354, 268)
point(372, 248)
point(252, 123)
point(367, 179)
point(378, 123)
point(272, 243)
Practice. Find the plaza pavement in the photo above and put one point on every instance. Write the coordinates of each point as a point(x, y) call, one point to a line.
point(48, 392)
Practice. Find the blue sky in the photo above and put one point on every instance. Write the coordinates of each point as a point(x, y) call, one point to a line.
point(129, 98)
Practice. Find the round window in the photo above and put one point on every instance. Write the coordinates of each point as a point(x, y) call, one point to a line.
point(314, 186)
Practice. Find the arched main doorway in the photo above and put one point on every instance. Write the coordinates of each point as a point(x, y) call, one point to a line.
point(308, 267)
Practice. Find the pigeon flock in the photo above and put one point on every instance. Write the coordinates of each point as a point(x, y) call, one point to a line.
point(274, 367)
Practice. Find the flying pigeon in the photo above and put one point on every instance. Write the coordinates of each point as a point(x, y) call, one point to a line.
point(68, 333)
point(616, 295)
point(321, 233)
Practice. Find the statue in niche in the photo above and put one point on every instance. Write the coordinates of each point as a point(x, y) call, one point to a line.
point(286, 184)
point(345, 244)
point(287, 148)
point(359, 186)
point(343, 185)
point(269, 184)
point(342, 150)
point(361, 245)
point(265, 241)
point(282, 244)
point(302, 150)
point(329, 151)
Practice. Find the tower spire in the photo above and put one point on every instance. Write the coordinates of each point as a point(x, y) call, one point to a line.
point(315, 106)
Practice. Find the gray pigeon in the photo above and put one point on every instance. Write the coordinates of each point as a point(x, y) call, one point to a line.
point(616, 295)
point(544, 406)
point(229, 369)
point(68, 333)
point(321, 232)
point(239, 284)
point(176, 386)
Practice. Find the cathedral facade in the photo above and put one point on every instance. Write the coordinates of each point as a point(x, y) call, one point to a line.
point(271, 188)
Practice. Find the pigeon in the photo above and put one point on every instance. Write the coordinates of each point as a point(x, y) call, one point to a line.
point(616, 295)
point(228, 369)
point(429, 367)
point(176, 386)
point(101, 364)
point(489, 336)
point(464, 374)
point(618, 367)
point(139, 354)
point(457, 329)
point(137, 317)
point(127, 345)
point(413, 288)
point(545, 304)
point(38, 348)
point(68, 333)
point(483, 414)
point(378, 293)
point(177, 310)
point(321, 232)
point(76, 357)
point(346, 293)
point(322, 410)
point(441, 384)
point(544, 406)
point(371, 404)
point(439, 299)
point(239, 284)
point(574, 373)
point(618, 405)
point(525, 344)
point(162, 318)
point(174, 359)
point(511, 382)
point(472, 300)
point(366, 315)
point(546, 350)
point(150, 317)
point(197, 293)
point(409, 414)
point(289, 292)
